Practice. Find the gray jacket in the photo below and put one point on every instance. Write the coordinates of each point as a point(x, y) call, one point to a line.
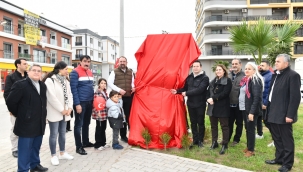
point(235, 90)
point(113, 109)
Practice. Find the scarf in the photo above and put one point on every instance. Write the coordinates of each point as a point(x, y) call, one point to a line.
point(244, 81)
point(61, 80)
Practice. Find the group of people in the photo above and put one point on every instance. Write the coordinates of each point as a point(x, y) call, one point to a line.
point(249, 97)
point(34, 101)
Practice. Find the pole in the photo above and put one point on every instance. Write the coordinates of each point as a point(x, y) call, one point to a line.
point(121, 49)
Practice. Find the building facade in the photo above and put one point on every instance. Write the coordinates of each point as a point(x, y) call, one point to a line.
point(103, 51)
point(48, 44)
point(214, 17)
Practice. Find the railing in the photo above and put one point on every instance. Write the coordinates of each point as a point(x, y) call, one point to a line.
point(300, 32)
point(21, 31)
point(224, 52)
point(67, 46)
point(296, 0)
point(53, 41)
point(8, 55)
point(78, 43)
point(77, 56)
point(8, 29)
point(28, 57)
point(267, 1)
point(43, 39)
point(39, 59)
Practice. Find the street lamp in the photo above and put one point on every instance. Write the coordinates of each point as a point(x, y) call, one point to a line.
point(3, 22)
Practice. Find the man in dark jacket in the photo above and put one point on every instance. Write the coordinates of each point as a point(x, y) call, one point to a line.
point(283, 103)
point(81, 84)
point(195, 88)
point(20, 73)
point(235, 114)
point(27, 102)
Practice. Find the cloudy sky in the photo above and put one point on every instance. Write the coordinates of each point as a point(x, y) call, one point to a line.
point(141, 17)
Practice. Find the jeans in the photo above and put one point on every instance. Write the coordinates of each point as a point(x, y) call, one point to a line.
point(197, 116)
point(100, 135)
point(82, 122)
point(235, 117)
point(55, 129)
point(115, 136)
point(127, 103)
point(28, 152)
point(250, 131)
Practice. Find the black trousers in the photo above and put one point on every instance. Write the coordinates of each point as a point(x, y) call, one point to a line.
point(197, 116)
point(224, 127)
point(250, 131)
point(127, 103)
point(235, 117)
point(100, 135)
point(284, 143)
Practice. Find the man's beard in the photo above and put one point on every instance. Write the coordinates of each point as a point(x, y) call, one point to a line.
point(122, 66)
point(261, 70)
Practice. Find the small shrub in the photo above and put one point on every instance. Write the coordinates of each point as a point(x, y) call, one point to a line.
point(146, 136)
point(186, 141)
point(165, 138)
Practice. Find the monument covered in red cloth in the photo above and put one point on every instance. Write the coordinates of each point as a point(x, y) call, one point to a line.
point(163, 64)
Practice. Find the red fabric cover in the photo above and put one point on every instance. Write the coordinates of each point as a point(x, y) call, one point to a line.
point(163, 64)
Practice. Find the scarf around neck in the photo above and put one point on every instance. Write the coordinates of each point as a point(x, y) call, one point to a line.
point(61, 80)
point(244, 81)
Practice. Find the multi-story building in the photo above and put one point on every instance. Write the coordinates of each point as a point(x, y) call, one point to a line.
point(24, 34)
point(214, 17)
point(103, 51)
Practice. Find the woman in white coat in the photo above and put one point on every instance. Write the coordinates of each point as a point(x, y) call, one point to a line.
point(59, 107)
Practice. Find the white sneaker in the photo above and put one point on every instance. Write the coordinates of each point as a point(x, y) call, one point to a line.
point(259, 137)
point(66, 156)
point(101, 148)
point(188, 130)
point(106, 146)
point(272, 144)
point(55, 160)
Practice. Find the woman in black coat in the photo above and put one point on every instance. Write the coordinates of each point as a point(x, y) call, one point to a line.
point(250, 103)
point(218, 108)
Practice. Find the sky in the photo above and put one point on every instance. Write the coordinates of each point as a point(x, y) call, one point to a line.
point(141, 17)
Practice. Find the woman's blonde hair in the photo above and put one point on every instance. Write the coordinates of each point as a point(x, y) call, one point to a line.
point(256, 76)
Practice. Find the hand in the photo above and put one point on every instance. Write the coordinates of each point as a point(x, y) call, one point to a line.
point(173, 91)
point(210, 101)
point(288, 120)
point(133, 90)
point(11, 114)
point(78, 109)
point(99, 114)
point(184, 94)
point(69, 111)
point(122, 92)
point(64, 112)
point(251, 117)
point(263, 107)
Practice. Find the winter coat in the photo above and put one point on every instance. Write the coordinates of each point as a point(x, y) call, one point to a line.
point(10, 80)
point(221, 90)
point(286, 97)
point(55, 99)
point(115, 114)
point(267, 78)
point(253, 104)
point(103, 112)
point(196, 89)
point(29, 108)
point(235, 90)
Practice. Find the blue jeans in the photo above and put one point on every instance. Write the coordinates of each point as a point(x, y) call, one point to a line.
point(82, 121)
point(28, 152)
point(56, 128)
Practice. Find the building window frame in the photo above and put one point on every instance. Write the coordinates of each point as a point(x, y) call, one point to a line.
point(8, 27)
point(8, 53)
point(39, 55)
point(66, 59)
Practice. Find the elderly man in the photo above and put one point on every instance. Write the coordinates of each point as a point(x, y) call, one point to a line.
point(283, 103)
point(27, 102)
point(122, 81)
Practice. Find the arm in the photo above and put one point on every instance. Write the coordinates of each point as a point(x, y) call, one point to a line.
point(8, 85)
point(225, 93)
point(294, 96)
point(111, 80)
point(133, 80)
point(14, 97)
point(113, 111)
point(200, 89)
point(185, 87)
point(74, 77)
point(256, 95)
point(70, 96)
point(51, 95)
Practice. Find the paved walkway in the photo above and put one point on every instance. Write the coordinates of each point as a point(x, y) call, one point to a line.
point(128, 159)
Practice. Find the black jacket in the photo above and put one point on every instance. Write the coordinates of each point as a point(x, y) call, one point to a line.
point(29, 108)
point(286, 97)
point(196, 89)
point(253, 104)
point(10, 80)
point(221, 90)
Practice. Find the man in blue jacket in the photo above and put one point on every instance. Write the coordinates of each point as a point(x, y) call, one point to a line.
point(81, 83)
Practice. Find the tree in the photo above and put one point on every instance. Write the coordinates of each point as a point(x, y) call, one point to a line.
point(225, 63)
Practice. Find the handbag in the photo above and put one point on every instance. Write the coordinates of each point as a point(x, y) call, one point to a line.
point(210, 107)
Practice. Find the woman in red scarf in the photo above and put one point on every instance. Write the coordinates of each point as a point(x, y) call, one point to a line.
point(250, 103)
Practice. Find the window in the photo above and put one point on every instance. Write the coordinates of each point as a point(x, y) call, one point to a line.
point(8, 51)
point(39, 56)
point(91, 40)
point(66, 58)
point(42, 32)
point(8, 27)
point(113, 46)
point(91, 53)
point(53, 40)
point(216, 49)
point(65, 43)
point(99, 44)
point(79, 52)
point(78, 40)
point(113, 56)
point(53, 57)
point(216, 31)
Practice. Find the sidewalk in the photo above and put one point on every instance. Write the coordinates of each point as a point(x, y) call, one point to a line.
point(128, 159)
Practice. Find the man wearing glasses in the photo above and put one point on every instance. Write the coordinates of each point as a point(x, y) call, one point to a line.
point(27, 102)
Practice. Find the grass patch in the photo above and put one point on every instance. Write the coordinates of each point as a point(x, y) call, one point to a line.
point(234, 157)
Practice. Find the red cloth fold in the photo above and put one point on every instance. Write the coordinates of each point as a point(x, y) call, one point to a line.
point(163, 64)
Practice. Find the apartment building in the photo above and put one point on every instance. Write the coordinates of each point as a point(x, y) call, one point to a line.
point(24, 34)
point(214, 17)
point(103, 51)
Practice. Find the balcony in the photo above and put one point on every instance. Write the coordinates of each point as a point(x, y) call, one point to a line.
point(53, 41)
point(8, 55)
point(78, 43)
point(267, 1)
point(67, 46)
point(216, 37)
point(223, 52)
point(28, 57)
point(8, 29)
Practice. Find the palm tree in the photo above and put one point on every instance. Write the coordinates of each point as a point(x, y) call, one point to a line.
point(225, 63)
point(261, 37)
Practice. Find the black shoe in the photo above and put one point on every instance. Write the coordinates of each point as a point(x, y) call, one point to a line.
point(39, 168)
point(284, 169)
point(214, 145)
point(222, 151)
point(124, 139)
point(200, 144)
point(15, 154)
point(69, 130)
point(88, 145)
point(81, 151)
point(272, 162)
